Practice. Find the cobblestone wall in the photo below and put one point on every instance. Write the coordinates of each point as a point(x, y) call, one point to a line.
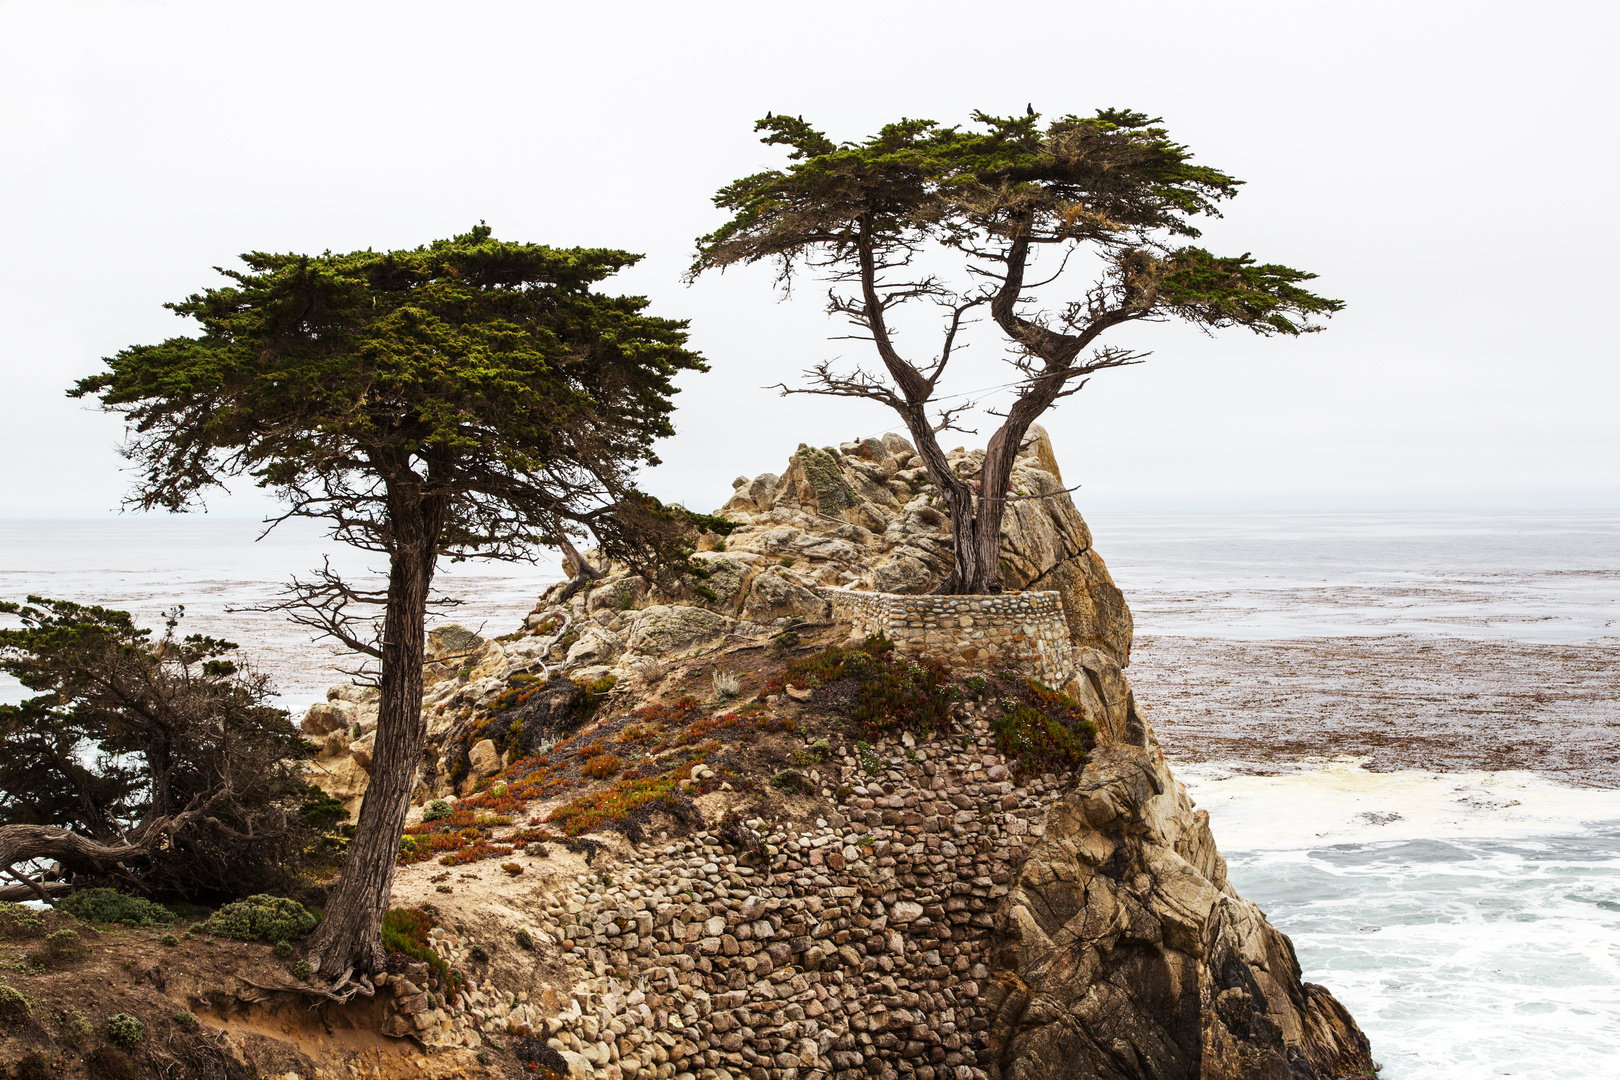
point(853, 949)
point(1025, 629)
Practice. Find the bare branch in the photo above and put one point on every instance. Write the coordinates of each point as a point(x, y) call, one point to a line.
point(947, 419)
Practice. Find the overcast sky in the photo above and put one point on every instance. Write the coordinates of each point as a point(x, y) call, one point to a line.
point(1447, 168)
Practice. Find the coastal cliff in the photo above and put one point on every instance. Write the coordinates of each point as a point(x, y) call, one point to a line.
point(721, 862)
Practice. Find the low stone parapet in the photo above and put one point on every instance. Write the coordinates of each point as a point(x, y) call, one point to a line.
point(1026, 630)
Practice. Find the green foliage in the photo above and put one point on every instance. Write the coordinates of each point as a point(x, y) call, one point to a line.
point(486, 360)
point(405, 931)
point(525, 939)
point(124, 1030)
point(261, 918)
point(284, 949)
point(1114, 181)
point(1044, 730)
point(73, 1028)
point(303, 970)
point(111, 906)
point(15, 1008)
point(170, 940)
point(58, 947)
point(873, 687)
point(438, 808)
point(184, 1018)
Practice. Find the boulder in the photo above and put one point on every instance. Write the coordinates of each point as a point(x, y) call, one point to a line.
point(596, 645)
point(322, 719)
point(773, 595)
point(617, 592)
point(671, 629)
point(483, 760)
point(452, 643)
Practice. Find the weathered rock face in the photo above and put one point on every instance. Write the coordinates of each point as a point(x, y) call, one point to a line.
point(1123, 952)
point(865, 516)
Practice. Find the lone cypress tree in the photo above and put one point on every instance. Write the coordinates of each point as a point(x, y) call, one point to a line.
point(469, 398)
point(868, 217)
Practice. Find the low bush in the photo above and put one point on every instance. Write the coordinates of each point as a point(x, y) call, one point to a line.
point(112, 906)
point(873, 687)
point(17, 921)
point(261, 918)
point(601, 766)
point(58, 947)
point(15, 1008)
point(614, 804)
point(73, 1029)
point(435, 810)
point(1044, 730)
point(124, 1030)
point(185, 1018)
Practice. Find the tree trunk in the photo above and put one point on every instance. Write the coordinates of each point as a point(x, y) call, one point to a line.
point(350, 935)
point(995, 478)
point(580, 569)
point(968, 569)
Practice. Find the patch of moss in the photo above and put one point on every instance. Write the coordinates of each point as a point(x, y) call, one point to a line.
point(821, 468)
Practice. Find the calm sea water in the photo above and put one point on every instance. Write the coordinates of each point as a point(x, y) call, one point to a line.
point(1471, 923)
point(217, 566)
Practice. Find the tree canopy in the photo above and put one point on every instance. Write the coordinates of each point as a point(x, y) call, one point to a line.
point(471, 398)
point(483, 372)
point(872, 216)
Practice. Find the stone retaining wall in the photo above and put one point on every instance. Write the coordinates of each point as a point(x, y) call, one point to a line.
point(1027, 629)
point(853, 949)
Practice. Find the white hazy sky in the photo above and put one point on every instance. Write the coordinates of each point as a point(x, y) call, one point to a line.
point(1426, 159)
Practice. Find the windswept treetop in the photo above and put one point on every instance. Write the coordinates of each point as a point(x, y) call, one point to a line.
point(1114, 180)
point(1000, 197)
point(483, 368)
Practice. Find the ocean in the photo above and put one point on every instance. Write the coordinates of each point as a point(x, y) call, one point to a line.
point(1404, 727)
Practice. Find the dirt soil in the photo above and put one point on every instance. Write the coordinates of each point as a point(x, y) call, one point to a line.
point(210, 1009)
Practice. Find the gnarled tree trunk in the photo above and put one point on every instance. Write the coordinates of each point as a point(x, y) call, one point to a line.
point(349, 938)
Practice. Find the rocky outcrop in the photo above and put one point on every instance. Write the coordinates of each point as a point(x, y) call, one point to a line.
point(865, 516)
point(924, 907)
point(938, 914)
point(1124, 952)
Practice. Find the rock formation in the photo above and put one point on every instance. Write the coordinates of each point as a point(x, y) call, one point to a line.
point(807, 905)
